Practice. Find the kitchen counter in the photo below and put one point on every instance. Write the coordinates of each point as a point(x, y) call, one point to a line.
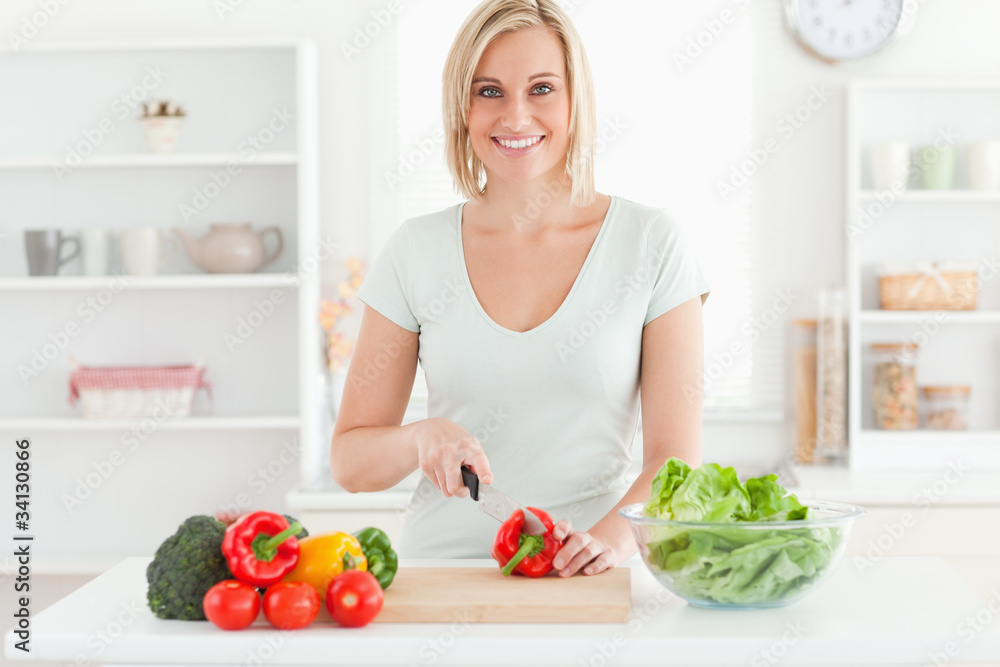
point(899, 611)
point(954, 484)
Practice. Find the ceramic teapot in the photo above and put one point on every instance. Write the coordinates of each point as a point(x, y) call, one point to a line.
point(230, 248)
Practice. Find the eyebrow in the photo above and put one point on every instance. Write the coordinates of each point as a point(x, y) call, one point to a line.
point(530, 78)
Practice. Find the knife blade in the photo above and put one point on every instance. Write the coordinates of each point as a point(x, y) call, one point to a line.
point(498, 505)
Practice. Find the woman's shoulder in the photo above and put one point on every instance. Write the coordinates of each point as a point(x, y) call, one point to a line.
point(428, 228)
point(435, 219)
point(640, 212)
point(643, 219)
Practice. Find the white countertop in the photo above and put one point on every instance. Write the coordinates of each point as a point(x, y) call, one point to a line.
point(897, 612)
point(953, 485)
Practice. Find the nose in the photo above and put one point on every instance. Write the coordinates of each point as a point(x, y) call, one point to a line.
point(516, 113)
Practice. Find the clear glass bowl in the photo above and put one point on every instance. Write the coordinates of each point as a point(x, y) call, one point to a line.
point(743, 565)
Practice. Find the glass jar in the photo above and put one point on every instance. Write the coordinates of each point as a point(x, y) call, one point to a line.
point(804, 380)
point(831, 377)
point(894, 390)
point(946, 408)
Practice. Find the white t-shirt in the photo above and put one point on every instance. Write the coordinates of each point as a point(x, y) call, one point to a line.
point(556, 408)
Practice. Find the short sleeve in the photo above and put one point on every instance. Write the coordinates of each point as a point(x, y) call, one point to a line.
point(384, 288)
point(674, 271)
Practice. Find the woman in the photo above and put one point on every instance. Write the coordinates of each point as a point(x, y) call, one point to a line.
point(538, 309)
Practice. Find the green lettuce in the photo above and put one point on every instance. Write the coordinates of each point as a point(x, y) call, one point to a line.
point(733, 565)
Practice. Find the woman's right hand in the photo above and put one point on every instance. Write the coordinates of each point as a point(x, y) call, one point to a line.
point(443, 447)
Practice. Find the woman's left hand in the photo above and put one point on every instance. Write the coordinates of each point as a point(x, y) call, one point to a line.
point(580, 551)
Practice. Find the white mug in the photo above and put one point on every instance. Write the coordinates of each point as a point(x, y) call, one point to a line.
point(984, 165)
point(890, 165)
point(96, 251)
point(144, 250)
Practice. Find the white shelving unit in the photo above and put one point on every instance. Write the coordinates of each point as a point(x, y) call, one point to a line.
point(257, 422)
point(264, 383)
point(133, 283)
point(155, 160)
point(956, 347)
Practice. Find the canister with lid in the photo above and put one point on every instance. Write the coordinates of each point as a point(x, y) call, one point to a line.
point(946, 407)
point(894, 389)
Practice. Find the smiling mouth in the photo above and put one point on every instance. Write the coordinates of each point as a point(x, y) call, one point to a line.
point(518, 145)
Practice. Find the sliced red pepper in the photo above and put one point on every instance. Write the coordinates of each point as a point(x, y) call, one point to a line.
point(260, 548)
point(530, 555)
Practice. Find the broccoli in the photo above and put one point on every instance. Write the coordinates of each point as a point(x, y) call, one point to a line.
point(302, 533)
point(185, 566)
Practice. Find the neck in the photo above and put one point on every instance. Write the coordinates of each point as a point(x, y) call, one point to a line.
point(529, 207)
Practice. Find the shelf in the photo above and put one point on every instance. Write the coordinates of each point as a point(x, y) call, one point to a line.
point(918, 316)
point(120, 184)
point(180, 45)
point(958, 223)
point(207, 423)
point(180, 281)
point(932, 196)
point(155, 160)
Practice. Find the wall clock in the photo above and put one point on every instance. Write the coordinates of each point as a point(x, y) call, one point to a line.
point(837, 31)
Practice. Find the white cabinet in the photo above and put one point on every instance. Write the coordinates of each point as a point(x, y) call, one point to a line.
point(73, 156)
point(955, 347)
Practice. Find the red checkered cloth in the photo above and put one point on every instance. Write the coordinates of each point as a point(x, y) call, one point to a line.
point(136, 377)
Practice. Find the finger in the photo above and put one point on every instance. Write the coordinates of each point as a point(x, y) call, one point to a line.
point(453, 478)
point(566, 553)
point(605, 561)
point(562, 529)
point(435, 477)
point(481, 467)
point(582, 558)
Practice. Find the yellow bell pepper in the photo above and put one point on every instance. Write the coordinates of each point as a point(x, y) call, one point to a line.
point(323, 557)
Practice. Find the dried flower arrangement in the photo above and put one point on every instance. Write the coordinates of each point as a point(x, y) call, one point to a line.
point(162, 108)
point(337, 348)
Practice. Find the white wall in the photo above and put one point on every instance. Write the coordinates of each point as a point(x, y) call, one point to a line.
point(801, 187)
point(798, 193)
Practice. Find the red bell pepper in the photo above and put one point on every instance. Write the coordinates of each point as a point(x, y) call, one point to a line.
point(260, 548)
point(530, 555)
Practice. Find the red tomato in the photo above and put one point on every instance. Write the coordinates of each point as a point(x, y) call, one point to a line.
point(290, 605)
point(354, 598)
point(231, 604)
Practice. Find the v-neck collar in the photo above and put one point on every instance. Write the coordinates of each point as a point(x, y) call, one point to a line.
point(579, 276)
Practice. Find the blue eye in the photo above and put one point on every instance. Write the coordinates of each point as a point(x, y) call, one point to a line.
point(547, 87)
point(488, 92)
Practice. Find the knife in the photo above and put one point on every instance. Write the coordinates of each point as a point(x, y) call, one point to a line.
point(497, 505)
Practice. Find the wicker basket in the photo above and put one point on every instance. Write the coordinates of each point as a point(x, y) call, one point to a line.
point(136, 391)
point(928, 286)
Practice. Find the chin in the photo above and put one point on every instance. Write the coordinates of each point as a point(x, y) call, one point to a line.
point(524, 175)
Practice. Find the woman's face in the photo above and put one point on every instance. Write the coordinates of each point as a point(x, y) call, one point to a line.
point(519, 109)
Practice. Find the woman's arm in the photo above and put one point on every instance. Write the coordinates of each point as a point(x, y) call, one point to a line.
point(370, 451)
point(671, 381)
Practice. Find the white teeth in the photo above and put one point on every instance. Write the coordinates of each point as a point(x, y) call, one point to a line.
point(522, 143)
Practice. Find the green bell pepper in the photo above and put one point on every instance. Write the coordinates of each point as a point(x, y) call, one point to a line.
point(382, 560)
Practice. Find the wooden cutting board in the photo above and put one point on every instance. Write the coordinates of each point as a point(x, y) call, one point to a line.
point(484, 595)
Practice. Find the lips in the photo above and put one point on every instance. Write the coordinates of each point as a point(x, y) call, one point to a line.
point(526, 142)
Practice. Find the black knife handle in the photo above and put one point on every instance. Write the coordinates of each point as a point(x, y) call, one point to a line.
point(471, 480)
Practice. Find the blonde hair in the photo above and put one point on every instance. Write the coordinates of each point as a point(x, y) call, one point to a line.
point(488, 21)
